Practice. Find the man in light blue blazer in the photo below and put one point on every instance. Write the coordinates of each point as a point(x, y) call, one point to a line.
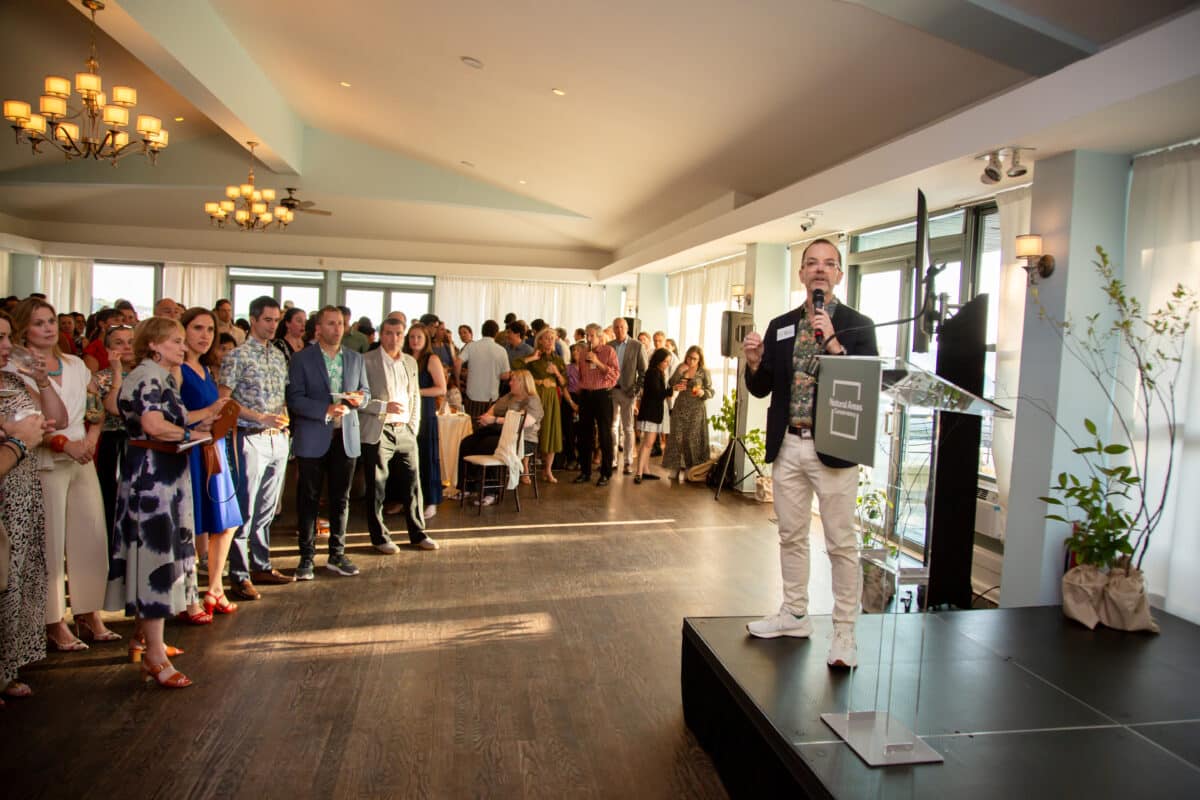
point(325, 384)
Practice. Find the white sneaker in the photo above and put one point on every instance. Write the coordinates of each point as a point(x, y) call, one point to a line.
point(843, 652)
point(428, 544)
point(785, 623)
point(430, 511)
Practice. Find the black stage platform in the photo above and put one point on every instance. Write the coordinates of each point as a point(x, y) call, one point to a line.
point(1021, 702)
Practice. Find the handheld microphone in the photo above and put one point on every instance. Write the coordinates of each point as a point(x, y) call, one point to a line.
point(818, 301)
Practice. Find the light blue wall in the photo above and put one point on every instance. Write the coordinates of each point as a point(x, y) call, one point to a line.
point(1079, 202)
point(652, 302)
point(23, 274)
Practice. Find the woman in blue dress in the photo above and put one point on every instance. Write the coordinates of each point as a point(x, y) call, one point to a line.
point(432, 378)
point(217, 514)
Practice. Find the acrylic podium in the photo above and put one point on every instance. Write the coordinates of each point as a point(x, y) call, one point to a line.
point(887, 411)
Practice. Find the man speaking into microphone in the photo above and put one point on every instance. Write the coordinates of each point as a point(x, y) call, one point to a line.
point(783, 364)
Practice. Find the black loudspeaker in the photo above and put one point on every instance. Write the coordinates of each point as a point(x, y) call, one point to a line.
point(635, 326)
point(734, 327)
point(950, 542)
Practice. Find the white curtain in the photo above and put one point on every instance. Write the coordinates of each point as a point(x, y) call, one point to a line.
point(471, 301)
point(1162, 249)
point(1014, 208)
point(193, 284)
point(67, 283)
point(695, 300)
point(4, 275)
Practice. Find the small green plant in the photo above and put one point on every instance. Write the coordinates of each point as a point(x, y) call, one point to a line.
point(869, 507)
point(1095, 505)
point(726, 420)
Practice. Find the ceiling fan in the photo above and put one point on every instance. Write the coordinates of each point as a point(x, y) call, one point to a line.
point(294, 203)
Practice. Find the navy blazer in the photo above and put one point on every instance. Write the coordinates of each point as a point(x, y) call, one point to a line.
point(309, 397)
point(855, 332)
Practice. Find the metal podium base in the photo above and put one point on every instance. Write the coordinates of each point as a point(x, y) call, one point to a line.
point(879, 743)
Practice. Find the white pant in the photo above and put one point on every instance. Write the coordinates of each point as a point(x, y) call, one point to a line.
point(797, 472)
point(623, 422)
point(74, 528)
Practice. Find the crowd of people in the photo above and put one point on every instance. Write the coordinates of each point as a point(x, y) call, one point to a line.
point(138, 457)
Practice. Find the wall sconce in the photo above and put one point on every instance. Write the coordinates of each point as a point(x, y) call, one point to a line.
point(741, 295)
point(1037, 263)
point(631, 308)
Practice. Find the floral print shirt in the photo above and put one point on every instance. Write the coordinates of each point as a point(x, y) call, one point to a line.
point(257, 373)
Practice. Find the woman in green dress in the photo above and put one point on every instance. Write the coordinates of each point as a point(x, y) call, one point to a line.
point(550, 374)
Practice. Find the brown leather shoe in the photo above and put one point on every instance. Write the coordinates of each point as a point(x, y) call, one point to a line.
point(244, 590)
point(271, 578)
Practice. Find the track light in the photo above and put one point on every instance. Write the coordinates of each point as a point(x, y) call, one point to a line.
point(1017, 169)
point(992, 171)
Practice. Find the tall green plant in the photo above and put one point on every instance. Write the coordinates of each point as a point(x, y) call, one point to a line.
point(726, 420)
point(1135, 359)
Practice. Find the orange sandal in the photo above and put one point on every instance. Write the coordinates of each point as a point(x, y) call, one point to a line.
point(165, 675)
point(137, 647)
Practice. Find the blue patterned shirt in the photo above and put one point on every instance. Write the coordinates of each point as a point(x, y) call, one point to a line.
point(333, 368)
point(257, 374)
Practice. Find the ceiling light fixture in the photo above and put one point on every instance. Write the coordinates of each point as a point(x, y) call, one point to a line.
point(344, 84)
point(1016, 168)
point(992, 170)
point(522, 181)
point(98, 131)
point(472, 62)
point(248, 207)
point(559, 92)
point(179, 119)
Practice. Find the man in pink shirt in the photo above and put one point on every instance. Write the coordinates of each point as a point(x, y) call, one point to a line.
point(598, 374)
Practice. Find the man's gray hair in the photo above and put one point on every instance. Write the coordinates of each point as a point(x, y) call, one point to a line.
point(594, 326)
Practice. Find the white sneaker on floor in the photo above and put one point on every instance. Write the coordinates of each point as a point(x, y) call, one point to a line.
point(428, 544)
point(430, 511)
point(843, 651)
point(784, 623)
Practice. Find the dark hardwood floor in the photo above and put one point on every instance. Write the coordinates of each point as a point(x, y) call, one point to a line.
point(534, 655)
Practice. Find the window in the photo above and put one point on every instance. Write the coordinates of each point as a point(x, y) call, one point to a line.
point(301, 288)
point(132, 282)
point(375, 296)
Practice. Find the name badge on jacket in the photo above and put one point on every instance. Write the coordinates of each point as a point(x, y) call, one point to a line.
point(785, 333)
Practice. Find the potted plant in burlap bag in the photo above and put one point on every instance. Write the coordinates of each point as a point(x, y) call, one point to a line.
point(1117, 502)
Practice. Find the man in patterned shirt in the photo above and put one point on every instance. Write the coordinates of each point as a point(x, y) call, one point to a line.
point(255, 375)
point(780, 364)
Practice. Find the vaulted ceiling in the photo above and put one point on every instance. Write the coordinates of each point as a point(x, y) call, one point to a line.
point(667, 107)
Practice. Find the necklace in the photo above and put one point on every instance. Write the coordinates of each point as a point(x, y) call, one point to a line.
point(58, 372)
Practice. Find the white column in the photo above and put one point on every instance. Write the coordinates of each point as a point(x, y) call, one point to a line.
point(1079, 201)
point(768, 284)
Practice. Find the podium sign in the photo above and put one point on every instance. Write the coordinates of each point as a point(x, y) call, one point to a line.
point(848, 408)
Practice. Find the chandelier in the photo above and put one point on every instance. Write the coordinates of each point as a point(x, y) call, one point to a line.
point(248, 208)
point(98, 131)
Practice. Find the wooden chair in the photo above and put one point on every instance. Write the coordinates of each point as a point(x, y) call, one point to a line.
point(481, 467)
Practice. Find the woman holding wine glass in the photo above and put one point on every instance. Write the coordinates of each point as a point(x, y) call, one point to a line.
point(688, 444)
point(76, 541)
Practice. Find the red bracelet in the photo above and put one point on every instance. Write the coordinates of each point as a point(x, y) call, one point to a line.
point(58, 443)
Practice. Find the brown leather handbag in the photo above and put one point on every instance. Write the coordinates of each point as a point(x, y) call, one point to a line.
point(224, 422)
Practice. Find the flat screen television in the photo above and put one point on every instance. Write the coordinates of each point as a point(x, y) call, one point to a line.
point(924, 293)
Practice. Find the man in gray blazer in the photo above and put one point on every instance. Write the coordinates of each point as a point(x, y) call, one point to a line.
point(632, 359)
point(389, 425)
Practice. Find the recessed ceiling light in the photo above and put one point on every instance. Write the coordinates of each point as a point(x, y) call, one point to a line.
point(472, 62)
point(522, 181)
point(467, 163)
point(344, 84)
point(559, 92)
point(179, 119)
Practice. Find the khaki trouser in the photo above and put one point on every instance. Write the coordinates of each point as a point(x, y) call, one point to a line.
point(798, 473)
point(75, 529)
